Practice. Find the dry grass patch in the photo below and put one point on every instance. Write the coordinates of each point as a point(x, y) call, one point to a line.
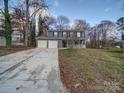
point(92, 70)
point(5, 51)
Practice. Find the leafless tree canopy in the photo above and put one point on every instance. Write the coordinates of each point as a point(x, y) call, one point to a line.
point(98, 34)
point(62, 22)
point(51, 22)
point(80, 25)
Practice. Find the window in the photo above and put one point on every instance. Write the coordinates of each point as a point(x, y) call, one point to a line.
point(78, 34)
point(64, 34)
point(71, 34)
point(55, 34)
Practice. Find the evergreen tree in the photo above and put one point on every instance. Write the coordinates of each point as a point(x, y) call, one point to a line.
point(7, 25)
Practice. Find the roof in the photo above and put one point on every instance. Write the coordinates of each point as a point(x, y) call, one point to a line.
point(66, 31)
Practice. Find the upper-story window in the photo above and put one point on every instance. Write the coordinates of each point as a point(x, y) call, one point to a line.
point(78, 34)
point(71, 34)
point(83, 34)
point(55, 34)
point(64, 34)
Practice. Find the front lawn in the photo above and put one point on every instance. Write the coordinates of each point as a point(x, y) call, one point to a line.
point(92, 70)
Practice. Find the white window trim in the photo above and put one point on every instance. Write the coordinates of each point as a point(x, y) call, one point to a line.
point(78, 34)
point(64, 34)
point(55, 34)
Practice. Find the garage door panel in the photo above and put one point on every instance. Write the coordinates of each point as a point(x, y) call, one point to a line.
point(42, 43)
point(52, 44)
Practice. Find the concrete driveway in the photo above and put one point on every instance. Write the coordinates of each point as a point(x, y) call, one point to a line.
point(31, 71)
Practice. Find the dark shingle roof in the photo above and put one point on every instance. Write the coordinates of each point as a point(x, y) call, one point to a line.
point(66, 31)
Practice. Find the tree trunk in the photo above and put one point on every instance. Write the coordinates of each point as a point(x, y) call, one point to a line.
point(27, 24)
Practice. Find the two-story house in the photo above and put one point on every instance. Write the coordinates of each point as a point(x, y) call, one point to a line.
point(62, 39)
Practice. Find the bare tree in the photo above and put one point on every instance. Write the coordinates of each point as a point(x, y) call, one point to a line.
point(51, 22)
point(120, 23)
point(19, 20)
point(27, 23)
point(62, 22)
point(99, 34)
point(26, 5)
point(104, 27)
point(92, 37)
point(38, 5)
point(80, 25)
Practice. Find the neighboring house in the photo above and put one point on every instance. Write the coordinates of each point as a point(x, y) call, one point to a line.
point(62, 39)
point(17, 35)
point(2, 39)
point(17, 38)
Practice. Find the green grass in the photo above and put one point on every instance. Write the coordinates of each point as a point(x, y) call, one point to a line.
point(95, 66)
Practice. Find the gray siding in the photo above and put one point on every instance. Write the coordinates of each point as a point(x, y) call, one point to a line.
point(2, 41)
point(66, 38)
point(59, 43)
point(69, 35)
point(50, 34)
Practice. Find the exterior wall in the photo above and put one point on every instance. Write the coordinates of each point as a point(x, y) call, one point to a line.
point(83, 44)
point(59, 43)
point(2, 41)
point(78, 44)
point(60, 35)
point(50, 34)
point(70, 37)
point(42, 44)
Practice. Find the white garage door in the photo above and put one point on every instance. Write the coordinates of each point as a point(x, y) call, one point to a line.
point(42, 43)
point(52, 44)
